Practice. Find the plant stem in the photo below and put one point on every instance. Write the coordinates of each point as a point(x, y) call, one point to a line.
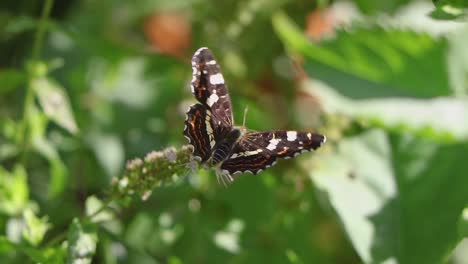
point(39, 36)
point(29, 98)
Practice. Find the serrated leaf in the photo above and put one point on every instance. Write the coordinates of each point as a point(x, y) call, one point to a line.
point(371, 61)
point(55, 103)
point(82, 240)
point(395, 198)
point(440, 118)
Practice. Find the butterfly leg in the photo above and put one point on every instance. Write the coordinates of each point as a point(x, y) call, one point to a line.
point(224, 177)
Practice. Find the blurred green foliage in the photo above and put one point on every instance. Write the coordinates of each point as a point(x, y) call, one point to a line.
point(87, 85)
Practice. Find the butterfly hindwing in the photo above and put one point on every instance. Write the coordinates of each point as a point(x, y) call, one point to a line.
point(247, 157)
point(209, 88)
point(259, 150)
point(199, 131)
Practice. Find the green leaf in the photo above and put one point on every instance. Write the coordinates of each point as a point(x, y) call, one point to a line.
point(35, 227)
point(93, 205)
point(45, 255)
point(371, 61)
point(55, 103)
point(82, 240)
point(395, 198)
point(20, 24)
point(457, 62)
point(449, 9)
point(439, 118)
point(372, 7)
point(14, 191)
point(10, 79)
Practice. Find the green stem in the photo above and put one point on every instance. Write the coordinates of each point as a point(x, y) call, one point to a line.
point(39, 37)
point(29, 98)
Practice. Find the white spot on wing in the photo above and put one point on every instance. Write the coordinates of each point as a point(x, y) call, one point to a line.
point(211, 62)
point(216, 79)
point(212, 99)
point(309, 136)
point(200, 50)
point(292, 135)
point(273, 143)
point(246, 153)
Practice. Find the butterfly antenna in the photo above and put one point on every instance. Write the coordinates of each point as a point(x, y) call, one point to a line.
point(246, 109)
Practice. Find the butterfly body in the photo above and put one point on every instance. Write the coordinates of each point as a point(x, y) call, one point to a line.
point(218, 143)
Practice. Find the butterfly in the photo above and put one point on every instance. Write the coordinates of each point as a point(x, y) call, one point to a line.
point(216, 142)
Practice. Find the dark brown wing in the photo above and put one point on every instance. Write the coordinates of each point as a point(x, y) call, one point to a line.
point(198, 130)
point(209, 88)
point(259, 150)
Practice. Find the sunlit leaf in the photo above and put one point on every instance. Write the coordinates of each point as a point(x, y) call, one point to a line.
point(449, 9)
point(457, 62)
point(35, 227)
point(82, 240)
point(14, 191)
point(55, 103)
point(371, 61)
point(94, 207)
point(395, 198)
point(437, 118)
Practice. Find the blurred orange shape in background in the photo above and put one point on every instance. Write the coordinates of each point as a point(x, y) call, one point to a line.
point(169, 32)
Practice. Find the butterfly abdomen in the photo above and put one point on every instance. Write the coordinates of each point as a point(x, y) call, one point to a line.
point(223, 148)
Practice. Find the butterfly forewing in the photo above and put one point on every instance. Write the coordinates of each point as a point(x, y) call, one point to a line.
point(259, 150)
point(209, 88)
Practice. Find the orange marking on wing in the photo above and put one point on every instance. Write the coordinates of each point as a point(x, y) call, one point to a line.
point(285, 149)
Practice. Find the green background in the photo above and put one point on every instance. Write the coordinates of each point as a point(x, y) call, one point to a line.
point(87, 85)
